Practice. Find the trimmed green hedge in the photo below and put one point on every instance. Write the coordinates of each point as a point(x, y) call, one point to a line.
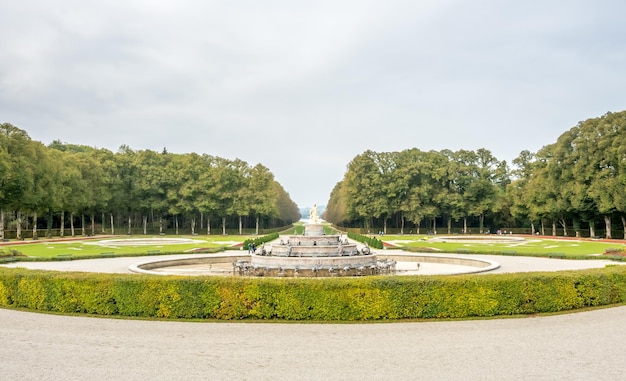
point(372, 242)
point(260, 240)
point(333, 299)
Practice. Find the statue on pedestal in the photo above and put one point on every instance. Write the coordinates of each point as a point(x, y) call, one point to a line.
point(313, 216)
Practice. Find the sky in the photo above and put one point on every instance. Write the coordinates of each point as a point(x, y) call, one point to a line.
point(304, 87)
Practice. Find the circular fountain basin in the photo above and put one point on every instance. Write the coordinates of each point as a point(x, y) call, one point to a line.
point(406, 264)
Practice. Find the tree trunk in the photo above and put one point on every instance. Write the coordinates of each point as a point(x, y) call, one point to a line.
point(72, 224)
point(465, 225)
point(384, 225)
point(607, 223)
point(481, 222)
point(145, 224)
point(2, 224)
point(435, 226)
point(554, 228)
point(130, 224)
point(193, 225)
point(256, 227)
point(102, 227)
point(449, 225)
point(240, 226)
point(543, 228)
point(112, 225)
point(160, 225)
point(35, 234)
point(532, 228)
point(62, 230)
point(624, 225)
point(576, 226)
point(223, 225)
point(208, 225)
point(93, 224)
point(49, 233)
point(82, 224)
point(402, 225)
point(176, 223)
point(592, 229)
point(563, 225)
point(19, 225)
point(417, 226)
point(201, 221)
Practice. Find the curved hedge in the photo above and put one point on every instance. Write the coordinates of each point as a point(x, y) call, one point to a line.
point(260, 240)
point(334, 299)
point(372, 242)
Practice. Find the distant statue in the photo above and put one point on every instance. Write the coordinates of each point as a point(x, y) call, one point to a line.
point(313, 216)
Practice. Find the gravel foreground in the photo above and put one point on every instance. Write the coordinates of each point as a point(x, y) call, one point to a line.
point(578, 346)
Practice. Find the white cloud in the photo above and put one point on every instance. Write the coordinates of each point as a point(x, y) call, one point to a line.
point(304, 87)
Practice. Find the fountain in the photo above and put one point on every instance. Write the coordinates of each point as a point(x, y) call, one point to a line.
point(313, 254)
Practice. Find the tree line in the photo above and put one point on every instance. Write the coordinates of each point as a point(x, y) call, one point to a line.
point(575, 184)
point(64, 184)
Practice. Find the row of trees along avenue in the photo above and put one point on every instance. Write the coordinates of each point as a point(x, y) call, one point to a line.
point(576, 186)
point(63, 184)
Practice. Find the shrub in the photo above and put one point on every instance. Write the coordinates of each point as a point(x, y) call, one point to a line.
point(259, 240)
point(372, 242)
point(615, 251)
point(332, 299)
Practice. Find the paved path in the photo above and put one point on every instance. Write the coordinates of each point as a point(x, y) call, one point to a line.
point(581, 346)
point(578, 346)
point(507, 263)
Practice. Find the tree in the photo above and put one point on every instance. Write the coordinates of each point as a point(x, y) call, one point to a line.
point(17, 184)
point(262, 194)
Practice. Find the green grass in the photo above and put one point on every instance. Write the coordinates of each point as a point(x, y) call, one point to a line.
point(86, 248)
point(530, 246)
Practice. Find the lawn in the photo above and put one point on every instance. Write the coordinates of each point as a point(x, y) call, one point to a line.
point(110, 246)
point(529, 246)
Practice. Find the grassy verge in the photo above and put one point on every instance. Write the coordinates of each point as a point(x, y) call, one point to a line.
point(573, 249)
point(93, 248)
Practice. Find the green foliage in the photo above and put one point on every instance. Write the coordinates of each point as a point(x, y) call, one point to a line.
point(333, 299)
point(373, 242)
point(39, 182)
point(260, 240)
point(8, 253)
point(572, 185)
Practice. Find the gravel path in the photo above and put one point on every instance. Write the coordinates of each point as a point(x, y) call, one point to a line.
point(580, 346)
point(507, 263)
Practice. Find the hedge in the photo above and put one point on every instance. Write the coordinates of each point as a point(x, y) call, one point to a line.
point(259, 240)
point(331, 299)
point(371, 241)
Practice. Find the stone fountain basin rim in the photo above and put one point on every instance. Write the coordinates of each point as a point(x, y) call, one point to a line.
point(477, 265)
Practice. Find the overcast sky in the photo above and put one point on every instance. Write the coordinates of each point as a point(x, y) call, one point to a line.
point(304, 87)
